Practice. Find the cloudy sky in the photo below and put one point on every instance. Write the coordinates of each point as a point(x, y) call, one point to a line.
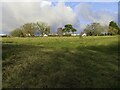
point(56, 14)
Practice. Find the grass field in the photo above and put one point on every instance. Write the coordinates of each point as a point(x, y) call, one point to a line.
point(60, 62)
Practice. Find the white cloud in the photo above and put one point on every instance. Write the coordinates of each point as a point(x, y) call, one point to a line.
point(85, 12)
point(16, 14)
point(45, 3)
point(61, 0)
point(104, 18)
point(22, 0)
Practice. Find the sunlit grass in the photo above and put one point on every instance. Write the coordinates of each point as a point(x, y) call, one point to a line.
point(60, 62)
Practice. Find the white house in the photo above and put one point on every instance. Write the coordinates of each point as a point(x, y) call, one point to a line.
point(84, 34)
point(28, 35)
point(3, 35)
point(45, 35)
point(73, 34)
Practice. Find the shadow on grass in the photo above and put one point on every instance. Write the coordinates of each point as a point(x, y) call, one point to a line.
point(64, 68)
point(9, 50)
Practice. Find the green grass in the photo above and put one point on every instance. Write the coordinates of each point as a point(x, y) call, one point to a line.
point(60, 62)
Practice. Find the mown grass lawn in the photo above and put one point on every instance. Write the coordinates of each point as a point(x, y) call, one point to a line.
point(60, 62)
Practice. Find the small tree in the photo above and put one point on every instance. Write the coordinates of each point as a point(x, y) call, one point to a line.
point(47, 30)
point(17, 33)
point(69, 28)
point(89, 30)
point(28, 29)
point(59, 31)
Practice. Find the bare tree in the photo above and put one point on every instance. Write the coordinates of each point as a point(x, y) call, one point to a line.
point(43, 28)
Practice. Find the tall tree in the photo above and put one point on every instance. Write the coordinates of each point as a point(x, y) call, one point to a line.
point(113, 28)
point(69, 28)
point(28, 29)
point(93, 29)
point(43, 28)
point(73, 30)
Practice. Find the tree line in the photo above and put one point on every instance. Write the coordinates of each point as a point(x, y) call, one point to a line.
point(93, 29)
point(29, 29)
